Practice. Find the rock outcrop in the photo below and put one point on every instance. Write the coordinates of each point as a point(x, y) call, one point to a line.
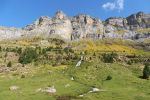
point(58, 26)
point(118, 22)
point(128, 28)
point(85, 26)
point(139, 20)
point(82, 26)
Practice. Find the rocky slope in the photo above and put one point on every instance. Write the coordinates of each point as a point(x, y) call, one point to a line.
point(136, 26)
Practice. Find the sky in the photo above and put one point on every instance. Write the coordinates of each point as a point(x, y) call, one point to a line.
point(19, 13)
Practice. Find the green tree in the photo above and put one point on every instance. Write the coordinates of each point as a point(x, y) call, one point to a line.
point(9, 64)
point(146, 71)
point(94, 54)
point(109, 77)
point(109, 57)
point(28, 56)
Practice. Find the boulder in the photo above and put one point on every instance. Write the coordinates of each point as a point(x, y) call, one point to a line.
point(49, 90)
point(72, 78)
point(13, 88)
point(95, 90)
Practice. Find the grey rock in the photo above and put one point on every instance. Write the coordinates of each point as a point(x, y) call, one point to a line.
point(50, 90)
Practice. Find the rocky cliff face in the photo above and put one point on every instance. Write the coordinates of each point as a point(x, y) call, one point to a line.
point(11, 33)
point(83, 26)
point(58, 26)
point(136, 26)
point(139, 20)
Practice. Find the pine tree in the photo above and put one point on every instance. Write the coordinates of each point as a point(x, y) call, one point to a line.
point(9, 64)
point(146, 71)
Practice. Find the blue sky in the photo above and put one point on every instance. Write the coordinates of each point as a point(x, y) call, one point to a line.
point(19, 13)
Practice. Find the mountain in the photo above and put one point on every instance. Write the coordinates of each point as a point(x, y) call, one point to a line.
point(135, 26)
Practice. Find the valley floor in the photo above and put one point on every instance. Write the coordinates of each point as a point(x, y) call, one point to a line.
point(73, 82)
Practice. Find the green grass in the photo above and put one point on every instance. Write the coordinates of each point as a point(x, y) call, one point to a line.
point(40, 79)
point(125, 83)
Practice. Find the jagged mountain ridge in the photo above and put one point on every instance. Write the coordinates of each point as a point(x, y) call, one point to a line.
point(136, 26)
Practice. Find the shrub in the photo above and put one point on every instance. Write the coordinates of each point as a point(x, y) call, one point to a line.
point(94, 54)
point(54, 64)
point(38, 50)
point(5, 54)
point(22, 76)
point(19, 50)
point(129, 62)
point(9, 64)
point(109, 77)
point(0, 48)
point(109, 58)
point(43, 51)
point(28, 56)
point(76, 57)
point(68, 50)
point(146, 71)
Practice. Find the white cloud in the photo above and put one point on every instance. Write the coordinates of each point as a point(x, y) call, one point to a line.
point(116, 5)
point(120, 4)
point(109, 6)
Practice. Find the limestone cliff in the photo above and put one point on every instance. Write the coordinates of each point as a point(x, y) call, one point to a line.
point(136, 26)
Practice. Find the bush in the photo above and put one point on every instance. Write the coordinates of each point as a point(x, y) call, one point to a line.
point(55, 64)
point(9, 64)
point(109, 77)
point(43, 51)
point(129, 62)
point(109, 58)
point(146, 71)
point(68, 50)
point(94, 54)
point(28, 56)
point(22, 76)
point(0, 48)
point(19, 50)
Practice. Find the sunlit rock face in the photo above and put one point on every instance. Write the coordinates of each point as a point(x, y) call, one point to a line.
point(10, 33)
point(58, 26)
point(82, 27)
point(85, 26)
point(68, 28)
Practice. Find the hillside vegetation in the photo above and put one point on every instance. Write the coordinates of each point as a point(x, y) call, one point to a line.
point(109, 70)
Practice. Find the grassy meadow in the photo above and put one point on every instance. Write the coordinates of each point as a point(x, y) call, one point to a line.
point(71, 82)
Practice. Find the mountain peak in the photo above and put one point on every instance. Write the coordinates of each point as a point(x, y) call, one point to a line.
point(60, 15)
